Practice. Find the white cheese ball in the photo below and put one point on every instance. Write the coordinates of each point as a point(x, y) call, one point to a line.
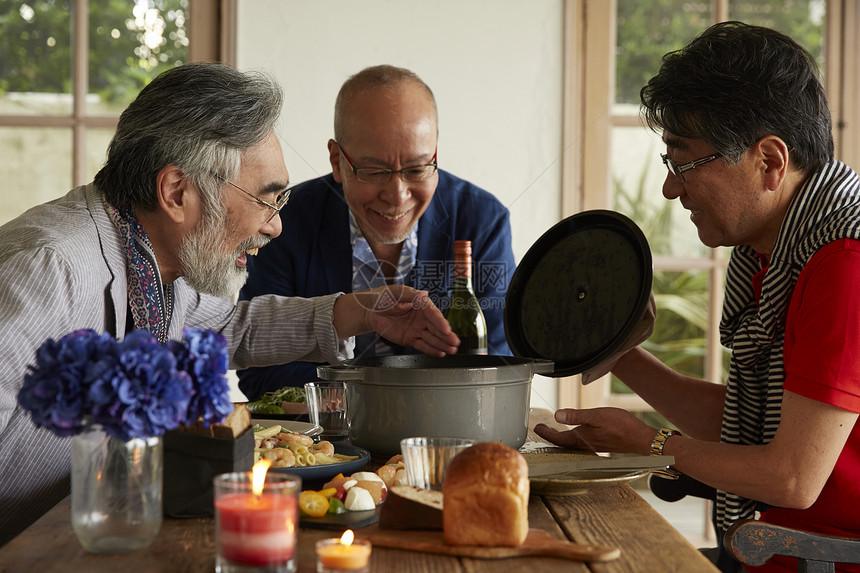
point(359, 499)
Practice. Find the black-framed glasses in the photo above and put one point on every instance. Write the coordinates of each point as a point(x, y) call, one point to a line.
point(678, 170)
point(280, 201)
point(413, 174)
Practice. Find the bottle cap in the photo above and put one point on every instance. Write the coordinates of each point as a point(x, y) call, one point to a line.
point(463, 248)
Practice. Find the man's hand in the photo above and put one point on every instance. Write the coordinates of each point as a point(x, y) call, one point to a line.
point(400, 314)
point(600, 430)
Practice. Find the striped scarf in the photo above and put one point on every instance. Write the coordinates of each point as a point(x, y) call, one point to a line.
point(826, 208)
point(150, 302)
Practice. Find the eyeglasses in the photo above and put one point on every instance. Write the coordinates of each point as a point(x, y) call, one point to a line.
point(380, 175)
point(280, 201)
point(678, 170)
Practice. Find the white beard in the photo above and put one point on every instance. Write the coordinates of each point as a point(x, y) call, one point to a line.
point(205, 268)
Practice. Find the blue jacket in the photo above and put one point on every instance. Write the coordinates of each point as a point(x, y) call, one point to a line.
point(313, 256)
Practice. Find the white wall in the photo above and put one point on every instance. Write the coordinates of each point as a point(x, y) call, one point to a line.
point(495, 67)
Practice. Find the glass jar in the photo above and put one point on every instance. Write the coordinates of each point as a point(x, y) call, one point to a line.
point(116, 491)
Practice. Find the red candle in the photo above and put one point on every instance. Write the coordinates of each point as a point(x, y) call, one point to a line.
point(257, 530)
point(256, 517)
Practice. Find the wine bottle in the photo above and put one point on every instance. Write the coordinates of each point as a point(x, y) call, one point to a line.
point(464, 313)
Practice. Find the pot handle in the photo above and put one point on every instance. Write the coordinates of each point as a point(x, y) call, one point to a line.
point(339, 372)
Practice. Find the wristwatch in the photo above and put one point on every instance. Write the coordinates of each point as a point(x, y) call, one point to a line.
point(660, 440)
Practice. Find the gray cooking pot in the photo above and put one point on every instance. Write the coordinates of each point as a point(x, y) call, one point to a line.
point(485, 398)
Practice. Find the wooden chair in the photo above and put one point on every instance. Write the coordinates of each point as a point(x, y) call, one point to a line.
point(754, 542)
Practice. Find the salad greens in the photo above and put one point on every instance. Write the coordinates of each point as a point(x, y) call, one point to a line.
point(270, 402)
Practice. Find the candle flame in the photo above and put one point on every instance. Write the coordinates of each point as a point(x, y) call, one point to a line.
point(347, 537)
point(258, 475)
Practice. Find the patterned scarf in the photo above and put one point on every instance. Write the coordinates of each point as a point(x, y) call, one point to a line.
point(150, 303)
point(826, 208)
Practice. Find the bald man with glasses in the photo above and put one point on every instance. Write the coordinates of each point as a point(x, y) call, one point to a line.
point(385, 215)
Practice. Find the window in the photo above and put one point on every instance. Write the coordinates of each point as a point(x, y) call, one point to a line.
point(67, 70)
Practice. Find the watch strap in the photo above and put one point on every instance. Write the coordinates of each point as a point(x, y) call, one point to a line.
point(660, 440)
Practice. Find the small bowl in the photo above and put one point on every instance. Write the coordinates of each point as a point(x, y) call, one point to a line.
point(427, 459)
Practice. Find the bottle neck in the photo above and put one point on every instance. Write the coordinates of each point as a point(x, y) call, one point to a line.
point(462, 269)
point(462, 283)
point(462, 274)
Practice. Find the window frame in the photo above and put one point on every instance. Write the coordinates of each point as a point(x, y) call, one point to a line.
point(210, 42)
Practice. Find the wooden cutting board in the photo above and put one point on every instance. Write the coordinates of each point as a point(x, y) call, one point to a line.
point(538, 542)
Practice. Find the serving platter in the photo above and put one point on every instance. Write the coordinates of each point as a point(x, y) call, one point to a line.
point(324, 472)
point(341, 521)
point(578, 482)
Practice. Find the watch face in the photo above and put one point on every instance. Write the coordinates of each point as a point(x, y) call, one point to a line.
point(579, 291)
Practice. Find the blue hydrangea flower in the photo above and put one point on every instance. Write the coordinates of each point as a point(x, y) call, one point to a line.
point(134, 388)
point(204, 358)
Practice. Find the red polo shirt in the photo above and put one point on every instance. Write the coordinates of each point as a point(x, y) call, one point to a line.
point(822, 362)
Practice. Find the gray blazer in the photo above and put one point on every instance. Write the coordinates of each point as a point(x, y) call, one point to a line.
point(62, 268)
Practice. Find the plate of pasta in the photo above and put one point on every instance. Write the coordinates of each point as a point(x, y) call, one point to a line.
point(312, 430)
point(296, 452)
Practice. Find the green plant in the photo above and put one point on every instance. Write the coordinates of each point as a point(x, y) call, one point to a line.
point(129, 44)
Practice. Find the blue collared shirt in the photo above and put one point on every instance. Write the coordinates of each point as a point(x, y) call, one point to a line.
point(366, 273)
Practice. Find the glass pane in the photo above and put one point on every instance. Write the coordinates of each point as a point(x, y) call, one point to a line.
point(637, 191)
point(803, 20)
point(44, 168)
point(131, 42)
point(647, 30)
point(97, 144)
point(35, 57)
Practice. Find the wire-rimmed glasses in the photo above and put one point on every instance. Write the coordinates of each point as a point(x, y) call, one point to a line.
point(678, 170)
point(280, 201)
point(413, 173)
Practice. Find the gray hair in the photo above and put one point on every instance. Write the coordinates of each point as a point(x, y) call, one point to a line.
point(199, 117)
point(374, 78)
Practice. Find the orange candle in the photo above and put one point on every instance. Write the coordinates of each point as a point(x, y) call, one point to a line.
point(344, 554)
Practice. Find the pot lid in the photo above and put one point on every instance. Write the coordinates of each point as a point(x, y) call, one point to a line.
point(579, 291)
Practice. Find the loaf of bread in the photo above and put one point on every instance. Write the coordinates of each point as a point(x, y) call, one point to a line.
point(409, 507)
point(486, 495)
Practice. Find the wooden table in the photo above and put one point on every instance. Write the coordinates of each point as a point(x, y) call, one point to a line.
point(614, 515)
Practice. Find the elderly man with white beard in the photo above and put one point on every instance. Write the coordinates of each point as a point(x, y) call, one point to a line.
point(193, 184)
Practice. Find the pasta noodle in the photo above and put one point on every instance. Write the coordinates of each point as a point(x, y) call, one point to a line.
point(287, 448)
point(323, 459)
